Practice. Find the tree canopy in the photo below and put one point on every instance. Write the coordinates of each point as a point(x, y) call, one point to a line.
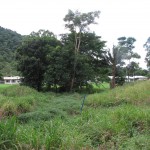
point(33, 57)
point(123, 51)
point(78, 23)
point(68, 63)
point(47, 61)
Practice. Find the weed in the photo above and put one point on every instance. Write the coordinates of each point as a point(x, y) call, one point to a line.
point(8, 109)
point(40, 115)
point(118, 119)
point(126, 94)
point(8, 136)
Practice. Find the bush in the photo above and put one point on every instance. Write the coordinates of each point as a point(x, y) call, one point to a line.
point(23, 107)
point(17, 90)
point(9, 108)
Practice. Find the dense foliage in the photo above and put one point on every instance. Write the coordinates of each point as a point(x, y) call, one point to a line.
point(47, 62)
point(9, 41)
point(68, 63)
point(33, 57)
point(78, 23)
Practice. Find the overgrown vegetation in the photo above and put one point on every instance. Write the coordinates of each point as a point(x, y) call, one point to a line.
point(94, 118)
point(132, 93)
point(113, 119)
point(66, 64)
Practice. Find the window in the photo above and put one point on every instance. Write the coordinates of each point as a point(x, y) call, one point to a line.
point(13, 81)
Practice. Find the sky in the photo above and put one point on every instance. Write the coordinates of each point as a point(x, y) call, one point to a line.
point(118, 18)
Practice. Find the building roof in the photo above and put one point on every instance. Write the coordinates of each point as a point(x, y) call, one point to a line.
point(132, 77)
point(12, 78)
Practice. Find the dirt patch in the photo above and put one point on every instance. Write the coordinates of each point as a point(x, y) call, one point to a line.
point(142, 102)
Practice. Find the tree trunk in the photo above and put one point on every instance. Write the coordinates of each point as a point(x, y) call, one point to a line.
point(74, 65)
point(76, 51)
point(113, 82)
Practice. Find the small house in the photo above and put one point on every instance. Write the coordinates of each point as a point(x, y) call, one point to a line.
point(132, 78)
point(12, 80)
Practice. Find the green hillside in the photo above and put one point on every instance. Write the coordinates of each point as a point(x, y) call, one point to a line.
point(114, 119)
point(9, 41)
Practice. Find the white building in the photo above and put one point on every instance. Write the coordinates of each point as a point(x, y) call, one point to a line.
point(132, 78)
point(12, 80)
point(135, 78)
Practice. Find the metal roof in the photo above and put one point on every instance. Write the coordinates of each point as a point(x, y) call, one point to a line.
point(12, 78)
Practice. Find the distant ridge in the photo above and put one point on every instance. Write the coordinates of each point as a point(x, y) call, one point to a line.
point(9, 41)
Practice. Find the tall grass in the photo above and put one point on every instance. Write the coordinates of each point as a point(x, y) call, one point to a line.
point(133, 93)
point(45, 136)
point(8, 136)
point(115, 119)
point(16, 90)
point(99, 128)
point(17, 99)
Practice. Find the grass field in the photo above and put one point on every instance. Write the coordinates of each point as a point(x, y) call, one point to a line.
point(112, 119)
point(102, 86)
point(4, 85)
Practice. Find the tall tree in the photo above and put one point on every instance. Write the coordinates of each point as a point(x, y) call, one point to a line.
point(128, 43)
point(123, 51)
point(116, 59)
point(91, 61)
point(32, 57)
point(78, 23)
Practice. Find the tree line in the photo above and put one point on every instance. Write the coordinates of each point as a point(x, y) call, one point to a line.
point(80, 56)
point(67, 63)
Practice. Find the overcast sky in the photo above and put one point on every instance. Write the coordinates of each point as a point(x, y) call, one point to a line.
point(118, 18)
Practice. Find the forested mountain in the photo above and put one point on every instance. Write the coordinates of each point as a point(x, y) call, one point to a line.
point(9, 41)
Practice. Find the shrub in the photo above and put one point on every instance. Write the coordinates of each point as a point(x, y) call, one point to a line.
point(17, 90)
point(9, 108)
point(23, 107)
